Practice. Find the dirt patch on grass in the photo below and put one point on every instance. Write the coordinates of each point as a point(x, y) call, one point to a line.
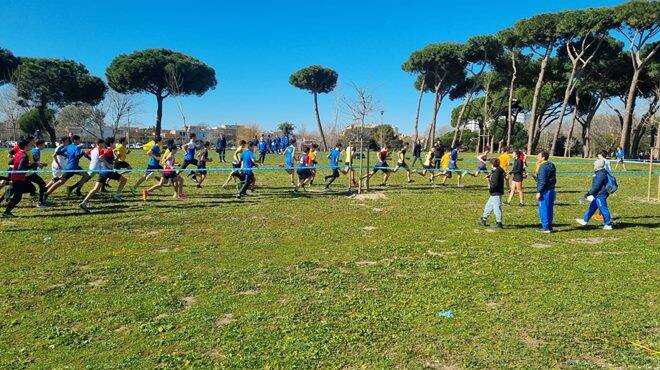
point(369, 196)
point(248, 292)
point(216, 353)
point(53, 287)
point(96, 283)
point(188, 301)
point(121, 329)
point(366, 263)
point(598, 361)
point(591, 241)
point(492, 304)
point(541, 246)
point(163, 250)
point(226, 319)
point(152, 233)
point(161, 316)
point(440, 253)
point(369, 228)
point(432, 364)
point(529, 341)
point(607, 253)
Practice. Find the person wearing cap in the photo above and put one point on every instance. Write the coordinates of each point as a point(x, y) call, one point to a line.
point(597, 195)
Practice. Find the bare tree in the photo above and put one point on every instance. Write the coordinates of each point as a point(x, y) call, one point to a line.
point(11, 109)
point(117, 108)
point(248, 131)
point(85, 117)
point(302, 132)
point(358, 109)
point(175, 83)
point(605, 132)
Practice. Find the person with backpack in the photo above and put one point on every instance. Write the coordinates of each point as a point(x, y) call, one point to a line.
point(602, 185)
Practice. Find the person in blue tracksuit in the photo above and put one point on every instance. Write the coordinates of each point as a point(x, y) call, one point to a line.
point(247, 163)
point(189, 157)
point(333, 157)
point(545, 191)
point(289, 160)
point(620, 158)
point(598, 196)
point(262, 146)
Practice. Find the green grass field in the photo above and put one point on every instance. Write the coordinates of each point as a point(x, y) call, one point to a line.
point(326, 280)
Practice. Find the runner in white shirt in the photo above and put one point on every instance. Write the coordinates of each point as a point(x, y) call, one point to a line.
point(58, 162)
point(95, 163)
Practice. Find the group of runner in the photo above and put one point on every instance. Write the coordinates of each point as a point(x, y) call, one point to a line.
point(107, 161)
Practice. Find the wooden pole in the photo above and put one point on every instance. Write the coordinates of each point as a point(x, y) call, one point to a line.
point(368, 167)
point(648, 193)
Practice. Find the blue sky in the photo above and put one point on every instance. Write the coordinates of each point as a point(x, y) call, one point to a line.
point(255, 45)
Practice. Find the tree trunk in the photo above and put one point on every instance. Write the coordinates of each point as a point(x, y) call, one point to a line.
point(635, 138)
point(436, 109)
point(318, 122)
point(585, 141)
point(460, 117)
point(419, 107)
point(479, 139)
point(427, 138)
point(640, 129)
point(537, 134)
point(567, 145)
point(509, 117)
point(485, 112)
point(531, 145)
point(47, 125)
point(159, 114)
point(570, 87)
point(624, 141)
point(587, 126)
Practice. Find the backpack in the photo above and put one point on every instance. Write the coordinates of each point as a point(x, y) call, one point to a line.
point(612, 186)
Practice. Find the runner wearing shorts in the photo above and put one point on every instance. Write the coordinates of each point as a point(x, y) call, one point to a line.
point(73, 153)
point(401, 162)
point(289, 160)
point(381, 165)
point(235, 174)
point(106, 171)
point(304, 169)
point(153, 164)
point(348, 163)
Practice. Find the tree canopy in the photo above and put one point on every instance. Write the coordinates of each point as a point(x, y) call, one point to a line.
point(316, 79)
point(160, 72)
point(8, 64)
point(44, 83)
point(31, 121)
point(286, 128)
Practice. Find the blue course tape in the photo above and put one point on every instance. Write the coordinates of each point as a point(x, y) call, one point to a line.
point(282, 168)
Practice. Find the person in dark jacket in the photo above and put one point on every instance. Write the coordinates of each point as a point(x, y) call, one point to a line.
point(417, 152)
point(221, 146)
point(545, 191)
point(496, 190)
point(597, 195)
point(19, 178)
